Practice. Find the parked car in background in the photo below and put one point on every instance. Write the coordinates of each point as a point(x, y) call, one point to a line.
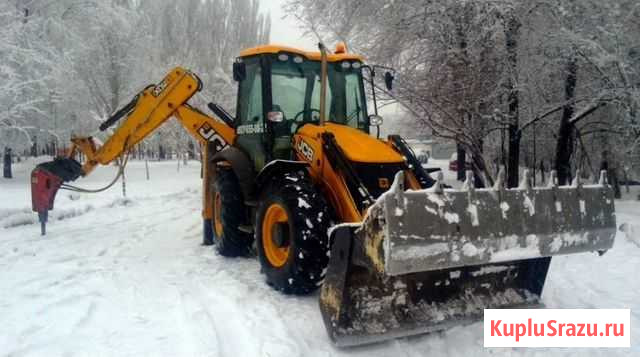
point(453, 162)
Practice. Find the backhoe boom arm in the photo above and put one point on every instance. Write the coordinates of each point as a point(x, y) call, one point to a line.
point(149, 110)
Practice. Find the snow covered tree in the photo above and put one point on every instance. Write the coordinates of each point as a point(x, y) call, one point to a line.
point(70, 64)
point(29, 66)
point(492, 74)
point(205, 37)
point(448, 55)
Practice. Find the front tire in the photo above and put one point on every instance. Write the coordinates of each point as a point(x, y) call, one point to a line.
point(291, 234)
point(229, 213)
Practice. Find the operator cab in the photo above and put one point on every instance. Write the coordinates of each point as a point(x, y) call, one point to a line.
point(279, 92)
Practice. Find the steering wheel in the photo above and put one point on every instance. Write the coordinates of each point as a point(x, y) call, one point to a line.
point(310, 110)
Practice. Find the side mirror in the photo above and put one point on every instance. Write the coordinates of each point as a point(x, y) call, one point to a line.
point(239, 71)
point(275, 117)
point(375, 120)
point(388, 80)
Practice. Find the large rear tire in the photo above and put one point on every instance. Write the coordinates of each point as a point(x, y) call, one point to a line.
point(291, 234)
point(229, 213)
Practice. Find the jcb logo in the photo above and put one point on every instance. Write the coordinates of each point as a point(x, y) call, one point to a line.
point(305, 149)
point(207, 132)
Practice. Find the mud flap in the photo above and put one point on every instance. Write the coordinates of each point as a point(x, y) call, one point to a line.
point(386, 279)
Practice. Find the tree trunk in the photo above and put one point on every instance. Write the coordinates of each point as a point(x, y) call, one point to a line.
point(566, 132)
point(7, 163)
point(612, 176)
point(513, 162)
point(512, 34)
point(459, 66)
point(461, 162)
point(481, 173)
point(161, 152)
point(613, 181)
point(191, 150)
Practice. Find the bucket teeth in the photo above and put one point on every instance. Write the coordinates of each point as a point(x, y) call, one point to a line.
point(469, 182)
point(525, 183)
point(577, 180)
point(553, 179)
point(604, 181)
point(438, 185)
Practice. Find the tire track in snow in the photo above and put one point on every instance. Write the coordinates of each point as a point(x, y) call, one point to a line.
point(242, 305)
point(15, 218)
point(87, 317)
point(203, 338)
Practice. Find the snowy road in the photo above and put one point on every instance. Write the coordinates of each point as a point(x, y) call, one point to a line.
point(128, 276)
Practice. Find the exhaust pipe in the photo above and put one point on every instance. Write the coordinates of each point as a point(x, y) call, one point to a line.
point(323, 82)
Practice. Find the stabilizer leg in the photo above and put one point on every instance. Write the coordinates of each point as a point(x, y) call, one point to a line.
point(207, 232)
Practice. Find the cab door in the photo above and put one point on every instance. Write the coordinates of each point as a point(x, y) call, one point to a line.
point(250, 113)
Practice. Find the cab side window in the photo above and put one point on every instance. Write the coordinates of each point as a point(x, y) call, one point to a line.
point(249, 120)
point(250, 96)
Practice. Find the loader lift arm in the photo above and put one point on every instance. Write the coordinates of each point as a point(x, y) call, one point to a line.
point(147, 111)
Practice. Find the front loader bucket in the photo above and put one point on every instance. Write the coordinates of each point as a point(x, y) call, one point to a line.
point(426, 260)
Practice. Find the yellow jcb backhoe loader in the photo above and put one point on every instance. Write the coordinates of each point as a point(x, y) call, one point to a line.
point(297, 176)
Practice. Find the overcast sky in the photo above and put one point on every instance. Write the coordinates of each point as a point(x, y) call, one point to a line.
point(286, 30)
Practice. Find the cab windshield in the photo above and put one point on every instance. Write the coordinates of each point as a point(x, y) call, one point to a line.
point(295, 88)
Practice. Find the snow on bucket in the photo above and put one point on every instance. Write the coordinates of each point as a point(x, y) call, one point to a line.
point(413, 231)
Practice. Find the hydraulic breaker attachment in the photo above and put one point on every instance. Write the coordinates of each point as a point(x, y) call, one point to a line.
point(46, 179)
point(426, 260)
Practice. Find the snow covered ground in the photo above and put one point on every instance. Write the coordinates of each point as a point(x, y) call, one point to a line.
point(124, 277)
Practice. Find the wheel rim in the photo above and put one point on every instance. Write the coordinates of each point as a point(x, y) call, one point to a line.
point(276, 255)
point(217, 219)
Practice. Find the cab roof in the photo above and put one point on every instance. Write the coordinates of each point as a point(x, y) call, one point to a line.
point(339, 55)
